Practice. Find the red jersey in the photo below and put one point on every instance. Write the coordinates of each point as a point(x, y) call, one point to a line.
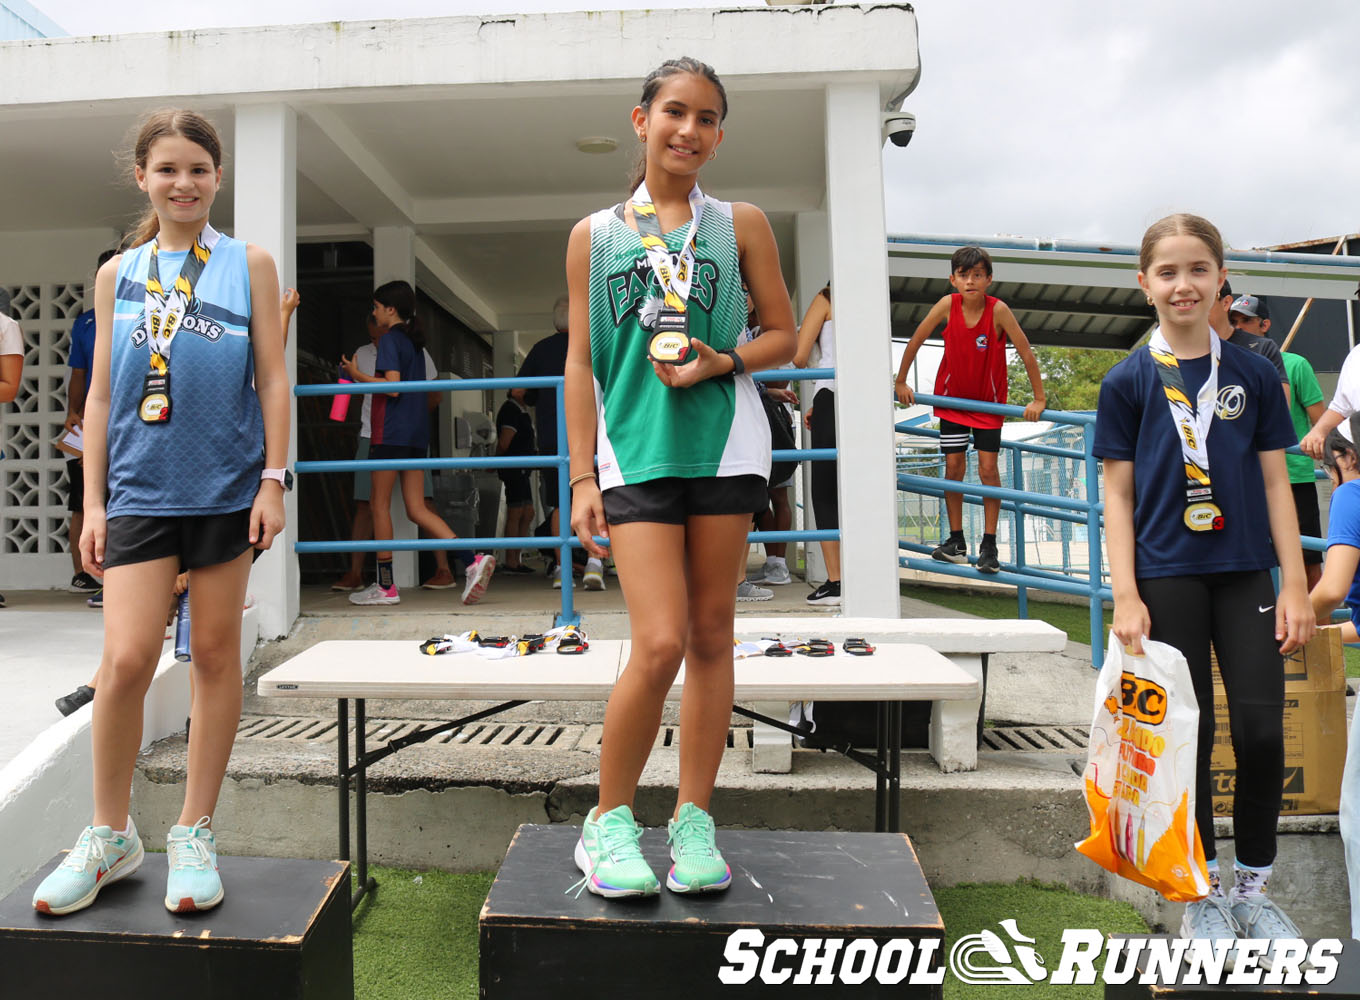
point(974, 365)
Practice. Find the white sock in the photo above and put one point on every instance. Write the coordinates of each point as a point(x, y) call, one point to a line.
point(126, 831)
point(594, 564)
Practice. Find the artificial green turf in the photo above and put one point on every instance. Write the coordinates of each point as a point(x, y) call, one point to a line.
point(1042, 912)
point(418, 941)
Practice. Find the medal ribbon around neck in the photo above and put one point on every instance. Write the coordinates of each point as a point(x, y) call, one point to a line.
point(1192, 425)
point(166, 309)
point(675, 284)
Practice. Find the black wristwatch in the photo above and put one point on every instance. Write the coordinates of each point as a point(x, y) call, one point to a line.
point(738, 366)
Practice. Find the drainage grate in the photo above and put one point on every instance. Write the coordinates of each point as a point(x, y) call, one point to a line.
point(531, 735)
point(667, 736)
point(1035, 739)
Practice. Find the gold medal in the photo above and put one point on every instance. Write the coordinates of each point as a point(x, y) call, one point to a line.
point(669, 344)
point(1204, 516)
point(155, 405)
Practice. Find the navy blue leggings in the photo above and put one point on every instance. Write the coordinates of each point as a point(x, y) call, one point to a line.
point(1236, 611)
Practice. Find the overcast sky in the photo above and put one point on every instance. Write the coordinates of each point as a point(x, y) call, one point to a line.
point(1054, 118)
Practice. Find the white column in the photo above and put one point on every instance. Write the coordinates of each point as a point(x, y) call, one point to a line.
point(812, 241)
point(394, 259)
point(864, 407)
point(504, 364)
point(266, 215)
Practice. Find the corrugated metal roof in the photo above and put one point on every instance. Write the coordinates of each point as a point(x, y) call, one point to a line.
point(19, 19)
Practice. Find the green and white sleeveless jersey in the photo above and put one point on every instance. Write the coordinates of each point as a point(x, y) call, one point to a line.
point(647, 430)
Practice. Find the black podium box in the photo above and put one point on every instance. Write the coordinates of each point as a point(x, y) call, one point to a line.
point(848, 912)
point(282, 933)
point(1345, 982)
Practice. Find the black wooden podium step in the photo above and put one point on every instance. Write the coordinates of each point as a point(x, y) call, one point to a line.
point(1345, 982)
point(860, 898)
point(281, 933)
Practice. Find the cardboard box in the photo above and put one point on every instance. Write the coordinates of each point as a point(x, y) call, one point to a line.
point(1314, 730)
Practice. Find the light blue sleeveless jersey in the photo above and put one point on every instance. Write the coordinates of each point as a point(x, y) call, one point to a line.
point(207, 458)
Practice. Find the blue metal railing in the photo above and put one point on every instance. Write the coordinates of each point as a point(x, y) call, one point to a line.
point(565, 540)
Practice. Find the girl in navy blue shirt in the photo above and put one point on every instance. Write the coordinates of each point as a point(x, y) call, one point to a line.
point(1192, 431)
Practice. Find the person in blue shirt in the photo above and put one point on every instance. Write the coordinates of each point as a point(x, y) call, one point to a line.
point(186, 442)
point(401, 430)
point(1198, 509)
point(1341, 583)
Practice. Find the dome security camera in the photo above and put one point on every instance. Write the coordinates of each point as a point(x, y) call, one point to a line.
point(898, 127)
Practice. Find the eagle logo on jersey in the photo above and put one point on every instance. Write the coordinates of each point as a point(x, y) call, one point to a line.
point(635, 290)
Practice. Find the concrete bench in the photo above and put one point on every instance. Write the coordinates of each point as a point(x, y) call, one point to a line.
point(359, 670)
point(967, 642)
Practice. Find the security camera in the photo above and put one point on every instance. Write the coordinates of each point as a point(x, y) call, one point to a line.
point(898, 127)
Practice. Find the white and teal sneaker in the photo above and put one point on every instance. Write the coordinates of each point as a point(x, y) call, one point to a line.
point(609, 856)
point(698, 864)
point(193, 882)
point(99, 858)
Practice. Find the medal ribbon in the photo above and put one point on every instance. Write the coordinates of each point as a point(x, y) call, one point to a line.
point(675, 283)
point(165, 310)
point(1192, 423)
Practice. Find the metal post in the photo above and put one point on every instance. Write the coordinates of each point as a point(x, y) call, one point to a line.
point(1093, 546)
point(342, 772)
point(568, 615)
point(1018, 542)
point(361, 789)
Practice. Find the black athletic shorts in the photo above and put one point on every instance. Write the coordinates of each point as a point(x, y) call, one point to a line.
point(1310, 518)
point(396, 451)
point(519, 492)
point(75, 491)
point(673, 499)
point(954, 438)
point(199, 541)
point(547, 489)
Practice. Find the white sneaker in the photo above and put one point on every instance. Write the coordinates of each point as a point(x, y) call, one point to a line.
point(478, 577)
point(748, 591)
point(594, 578)
point(374, 594)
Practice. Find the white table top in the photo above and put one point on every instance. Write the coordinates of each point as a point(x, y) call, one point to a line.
point(378, 668)
point(948, 635)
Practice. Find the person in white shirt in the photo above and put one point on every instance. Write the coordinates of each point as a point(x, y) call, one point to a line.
point(11, 361)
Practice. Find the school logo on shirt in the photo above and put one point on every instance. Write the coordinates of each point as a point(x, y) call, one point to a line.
point(193, 322)
point(630, 290)
point(1232, 400)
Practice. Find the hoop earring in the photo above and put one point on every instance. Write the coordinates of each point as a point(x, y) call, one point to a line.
point(713, 155)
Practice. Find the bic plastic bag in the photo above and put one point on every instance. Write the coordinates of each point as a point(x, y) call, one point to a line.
point(1140, 772)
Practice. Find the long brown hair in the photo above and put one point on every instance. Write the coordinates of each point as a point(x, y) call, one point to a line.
point(650, 86)
point(157, 125)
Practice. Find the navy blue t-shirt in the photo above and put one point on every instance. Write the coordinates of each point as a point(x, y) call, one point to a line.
point(1343, 528)
point(402, 419)
point(1133, 424)
point(547, 357)
point(82, 344)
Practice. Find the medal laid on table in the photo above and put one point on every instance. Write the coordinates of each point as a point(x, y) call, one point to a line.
point(669, 342)
point(1192, 427)
point(165, 310)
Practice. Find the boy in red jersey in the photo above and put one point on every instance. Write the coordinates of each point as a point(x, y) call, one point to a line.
point(974, 368)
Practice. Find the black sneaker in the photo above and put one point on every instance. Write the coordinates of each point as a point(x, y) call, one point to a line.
point(83, 583)
point(828, 594)
point(78, 698)
point(97, 601)
point(987, 561)
point(953, 550)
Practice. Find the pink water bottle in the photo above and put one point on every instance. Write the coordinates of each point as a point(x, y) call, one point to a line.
point(340, 404)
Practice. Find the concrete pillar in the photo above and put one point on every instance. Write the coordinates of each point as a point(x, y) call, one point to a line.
point(394, 259)
point(812, 241)
point(504, 362)
point(266, 215)
point(864, 404)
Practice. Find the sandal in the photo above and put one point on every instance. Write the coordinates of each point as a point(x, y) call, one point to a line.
point(857, 647)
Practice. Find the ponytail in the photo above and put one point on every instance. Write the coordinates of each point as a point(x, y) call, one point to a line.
point(650, 86)
point(158, 125)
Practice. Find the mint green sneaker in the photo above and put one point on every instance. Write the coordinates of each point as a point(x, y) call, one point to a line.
point(698, 864)
point(192, 882)
point(99, 858)
point(609, 857)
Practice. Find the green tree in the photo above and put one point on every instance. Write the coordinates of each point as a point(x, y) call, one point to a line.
point(1071, 376)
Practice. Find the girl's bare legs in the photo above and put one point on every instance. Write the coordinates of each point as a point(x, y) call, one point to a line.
point(134, 630)
point(714, 549)
point(831, 555)
point(216, 595)
point(380, 503)
point(651, 564)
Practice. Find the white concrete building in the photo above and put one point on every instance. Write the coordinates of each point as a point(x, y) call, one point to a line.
point(453, 147)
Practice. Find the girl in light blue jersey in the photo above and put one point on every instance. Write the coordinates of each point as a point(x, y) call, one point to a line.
point(186, 439)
